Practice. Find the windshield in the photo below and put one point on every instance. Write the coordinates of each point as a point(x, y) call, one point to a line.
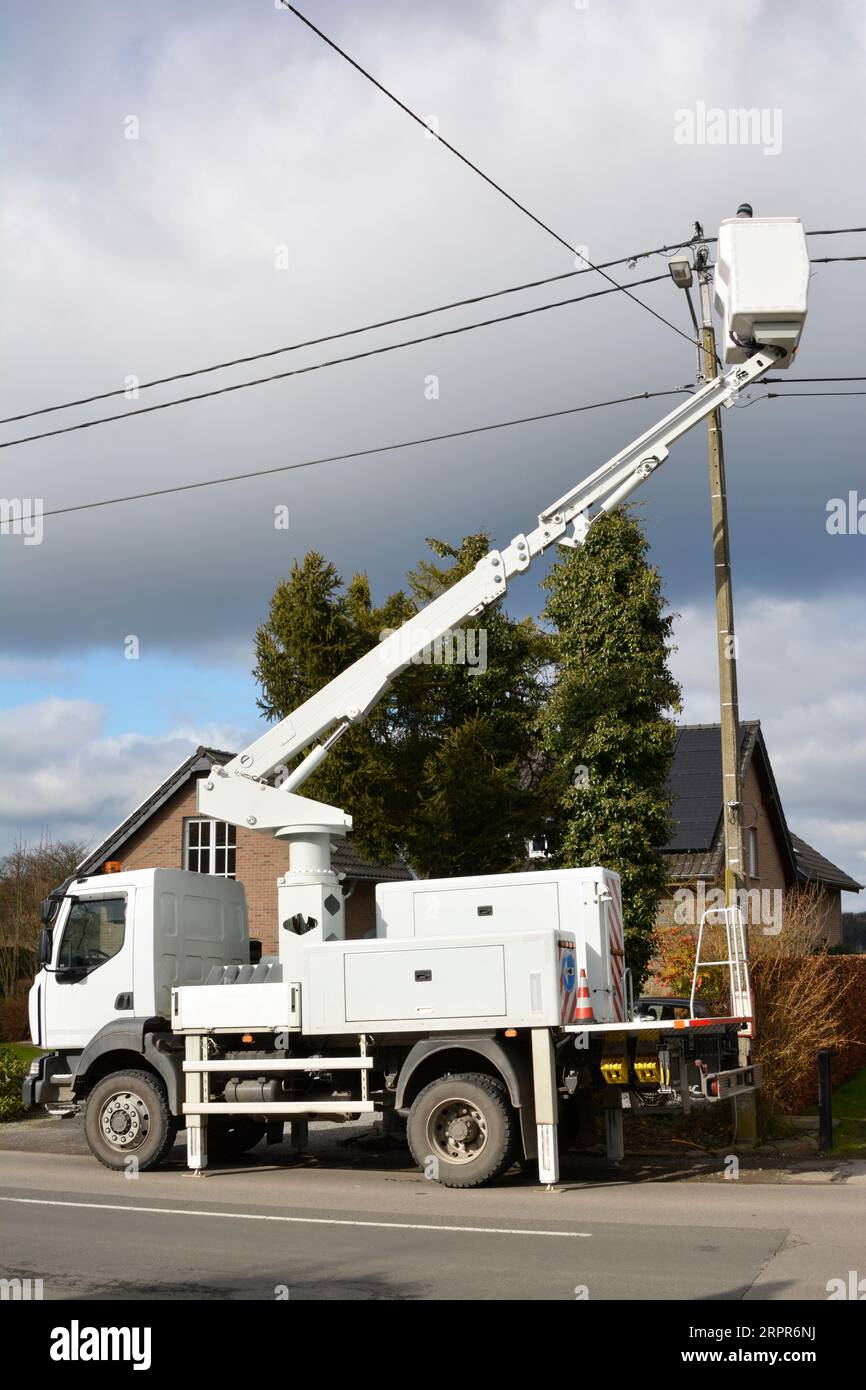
point(93, 934)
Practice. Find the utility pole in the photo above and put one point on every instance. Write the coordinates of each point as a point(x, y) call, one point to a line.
point(735, 863)
point(732, 802)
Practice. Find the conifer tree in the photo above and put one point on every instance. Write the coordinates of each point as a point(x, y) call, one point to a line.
point(608, 725)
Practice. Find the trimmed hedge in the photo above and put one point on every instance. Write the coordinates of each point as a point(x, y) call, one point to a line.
point(803, 1003)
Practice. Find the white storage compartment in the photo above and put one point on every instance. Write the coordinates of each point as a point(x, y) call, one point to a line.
point(585, 902)
point(428, 985)
point(761, 285)
point(494, 906)
point(236, 1008)
point(461, 982)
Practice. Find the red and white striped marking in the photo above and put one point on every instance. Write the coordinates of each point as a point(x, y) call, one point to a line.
point(616, 946)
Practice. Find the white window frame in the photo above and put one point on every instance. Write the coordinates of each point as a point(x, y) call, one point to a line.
point(752, 850)
point(215, 827)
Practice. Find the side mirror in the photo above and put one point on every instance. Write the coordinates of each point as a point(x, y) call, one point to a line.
point(43, 954)
point(47, 910)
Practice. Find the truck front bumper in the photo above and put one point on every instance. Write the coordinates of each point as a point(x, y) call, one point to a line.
point(48, 1082)
point(28, 1091)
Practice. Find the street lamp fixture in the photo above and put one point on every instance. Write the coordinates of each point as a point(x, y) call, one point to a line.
point(680, 268)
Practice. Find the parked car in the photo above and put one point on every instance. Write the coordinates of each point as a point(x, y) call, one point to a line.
point(663, 1007)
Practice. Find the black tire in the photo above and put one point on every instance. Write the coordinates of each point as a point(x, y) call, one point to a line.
point(231, 1138)
point(462, 1130)
point(127, 1116)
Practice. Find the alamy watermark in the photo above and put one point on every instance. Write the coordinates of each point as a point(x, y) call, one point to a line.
point(22, 516)
point(759, 906)
point(77, 1343)
point(712, 125)
point(846, 516)
point(462, 646)
point(17, 1290)
point(853, 1288)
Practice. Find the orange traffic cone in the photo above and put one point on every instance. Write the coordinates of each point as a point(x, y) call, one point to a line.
point(583, 1013)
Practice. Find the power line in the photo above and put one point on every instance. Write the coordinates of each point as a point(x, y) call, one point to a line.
point(364, 453)
point(797, 395)
point(344, 333)
point(837, 231)
point(480, 172)
point(795, 380)
point(382, 323)
point(319, 366)
point(414, 443)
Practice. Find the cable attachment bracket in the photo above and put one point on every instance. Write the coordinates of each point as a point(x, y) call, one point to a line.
point(582, 523)
point(647, 466)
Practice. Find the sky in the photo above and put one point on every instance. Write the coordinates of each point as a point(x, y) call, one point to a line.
point(186, 184)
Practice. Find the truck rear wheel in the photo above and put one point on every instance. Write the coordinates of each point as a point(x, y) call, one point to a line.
point(127, 1116)
point(462, 1130)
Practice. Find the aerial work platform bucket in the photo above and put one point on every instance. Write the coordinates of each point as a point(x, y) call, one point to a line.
point(761, 286)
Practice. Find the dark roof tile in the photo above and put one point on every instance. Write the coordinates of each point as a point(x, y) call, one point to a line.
point(695, 784)
point(812, 867)
point(346, 860)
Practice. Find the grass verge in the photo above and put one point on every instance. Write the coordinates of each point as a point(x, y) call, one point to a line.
point(849, 1108)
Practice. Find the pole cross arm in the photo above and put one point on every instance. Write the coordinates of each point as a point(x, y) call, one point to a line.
point(349, 697)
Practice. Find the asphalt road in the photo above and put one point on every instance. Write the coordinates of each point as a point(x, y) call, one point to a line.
point(376, 1229)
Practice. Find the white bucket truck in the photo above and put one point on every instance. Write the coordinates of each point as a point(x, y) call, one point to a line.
point(488, 1012)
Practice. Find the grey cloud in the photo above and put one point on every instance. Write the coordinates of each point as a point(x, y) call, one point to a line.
point(802, 672)
point(141, 256)
point(155, 255)
point(62, 774)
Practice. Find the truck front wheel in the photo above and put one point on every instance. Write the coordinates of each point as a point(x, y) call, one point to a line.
point(127, 1117)
point(462, 1130)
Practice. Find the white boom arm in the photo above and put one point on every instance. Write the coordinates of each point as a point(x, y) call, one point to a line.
point(239, 793)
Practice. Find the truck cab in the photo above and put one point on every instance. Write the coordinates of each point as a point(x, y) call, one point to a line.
point(112, 948)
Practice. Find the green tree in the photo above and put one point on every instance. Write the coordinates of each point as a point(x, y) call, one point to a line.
point(442, 769)
point(608, 725)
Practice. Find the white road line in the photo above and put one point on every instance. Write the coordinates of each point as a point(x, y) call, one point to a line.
point(299, 1220)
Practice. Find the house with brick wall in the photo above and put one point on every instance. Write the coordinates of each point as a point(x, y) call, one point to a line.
point(777, 860)
point(167, 832)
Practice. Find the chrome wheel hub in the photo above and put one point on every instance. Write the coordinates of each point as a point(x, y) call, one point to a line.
point(457, 1130)
point(124, 1120)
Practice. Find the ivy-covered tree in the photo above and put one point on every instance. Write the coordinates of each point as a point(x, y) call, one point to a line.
point(441, 768)
point(608, 725)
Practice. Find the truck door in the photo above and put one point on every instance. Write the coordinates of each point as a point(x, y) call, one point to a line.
point(90, 980)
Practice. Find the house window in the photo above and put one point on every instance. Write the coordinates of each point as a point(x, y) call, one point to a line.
point(753, 852)
point(210, 847)
point(537, 848)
